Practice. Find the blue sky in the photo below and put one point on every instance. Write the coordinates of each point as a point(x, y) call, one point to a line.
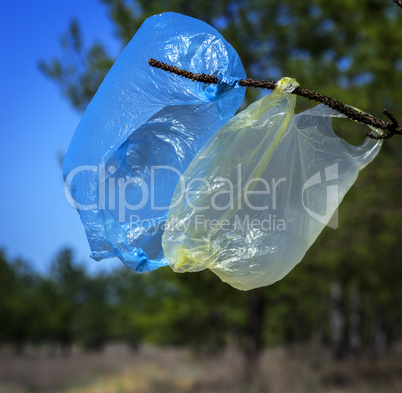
point(36, 123)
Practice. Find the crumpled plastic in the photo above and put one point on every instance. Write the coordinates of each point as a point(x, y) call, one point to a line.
point(141, 131)
point(261, 189)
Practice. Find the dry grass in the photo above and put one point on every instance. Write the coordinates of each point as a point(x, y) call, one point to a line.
point(153, 370)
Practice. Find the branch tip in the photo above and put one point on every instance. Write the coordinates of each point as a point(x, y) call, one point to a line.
point(389, 128)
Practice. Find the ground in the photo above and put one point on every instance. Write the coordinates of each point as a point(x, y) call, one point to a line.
point(154, 370)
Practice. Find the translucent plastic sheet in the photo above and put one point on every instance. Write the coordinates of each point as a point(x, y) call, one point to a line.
point(141, 131)
point(260, 191)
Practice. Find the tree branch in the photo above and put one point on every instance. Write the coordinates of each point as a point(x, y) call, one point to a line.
point(398, 2)
point(390, 128)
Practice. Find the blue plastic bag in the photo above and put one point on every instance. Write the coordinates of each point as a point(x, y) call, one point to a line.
point(141, 131)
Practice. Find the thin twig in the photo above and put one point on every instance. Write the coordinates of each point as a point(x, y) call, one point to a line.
point(390, 128)
point(398, 2)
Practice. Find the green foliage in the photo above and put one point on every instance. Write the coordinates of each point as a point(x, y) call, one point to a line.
point(79, 71)
point(95, 316)
point(165, 308)
point(193, 309)
point(342, 49)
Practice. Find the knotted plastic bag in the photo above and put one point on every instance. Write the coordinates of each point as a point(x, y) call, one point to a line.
point(141, 131)
point(260, 191)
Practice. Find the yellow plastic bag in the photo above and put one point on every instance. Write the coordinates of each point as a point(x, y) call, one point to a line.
point(260, 191)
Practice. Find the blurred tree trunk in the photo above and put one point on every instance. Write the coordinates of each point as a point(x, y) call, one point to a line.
point(253, 338)
point(354, 322)
point(337, 322)
point(379, 336)
point(19, 348)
